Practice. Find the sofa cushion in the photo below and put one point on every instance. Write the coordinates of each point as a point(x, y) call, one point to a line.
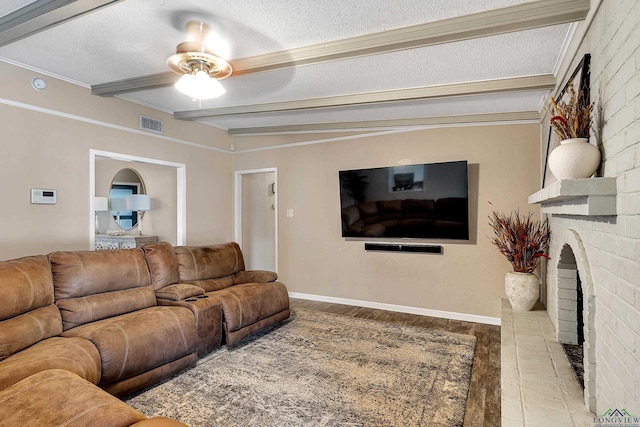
point(44, 399)
point(136, 342)
point(27, 329)
point(162, 263)
point(25, 284)
point(208, 262)
point(27, 313)
point(78, 311)
point(93, 285)
point(78, 274)
point(72, 354)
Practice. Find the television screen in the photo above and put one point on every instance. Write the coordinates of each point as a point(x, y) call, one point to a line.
point(411, 201)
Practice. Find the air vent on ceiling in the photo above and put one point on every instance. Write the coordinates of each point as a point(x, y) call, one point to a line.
point(152, 125)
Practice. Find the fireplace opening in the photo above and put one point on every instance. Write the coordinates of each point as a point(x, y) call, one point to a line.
point(575, 311)
point(575, 352)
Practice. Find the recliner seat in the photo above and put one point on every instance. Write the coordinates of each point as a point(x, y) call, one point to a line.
point(251, 300)
point(107, 298)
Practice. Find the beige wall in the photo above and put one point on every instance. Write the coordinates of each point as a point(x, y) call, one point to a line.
point(45, 144)
point(46, 141)
point(467, 278)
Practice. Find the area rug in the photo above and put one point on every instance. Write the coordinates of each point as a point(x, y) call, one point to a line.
point(319, 369)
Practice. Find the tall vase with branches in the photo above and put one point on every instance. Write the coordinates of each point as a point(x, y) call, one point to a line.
point(523, 242)
point(571, 121)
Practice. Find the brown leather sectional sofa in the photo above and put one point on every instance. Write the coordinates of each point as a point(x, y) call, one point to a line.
point(78, 328)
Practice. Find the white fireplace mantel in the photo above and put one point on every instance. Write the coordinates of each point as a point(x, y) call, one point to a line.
point(584, 197)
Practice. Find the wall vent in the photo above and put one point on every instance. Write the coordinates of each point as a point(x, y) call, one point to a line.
point(152, 125)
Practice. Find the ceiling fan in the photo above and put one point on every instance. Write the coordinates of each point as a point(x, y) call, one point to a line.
point(199, 68)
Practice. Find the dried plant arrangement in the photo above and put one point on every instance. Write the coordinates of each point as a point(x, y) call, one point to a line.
point(570, 117)
point(520, 239)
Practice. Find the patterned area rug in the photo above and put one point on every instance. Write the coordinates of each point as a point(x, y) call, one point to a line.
point(320, 369)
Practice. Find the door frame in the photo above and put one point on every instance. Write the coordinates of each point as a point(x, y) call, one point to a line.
point(237, 215)
point(181, 197)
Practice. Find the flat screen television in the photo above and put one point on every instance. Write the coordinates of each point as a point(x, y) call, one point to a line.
point(426, 201)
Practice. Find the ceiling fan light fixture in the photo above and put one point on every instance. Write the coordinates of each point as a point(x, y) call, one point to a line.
point(199, 68)
point(200, 85)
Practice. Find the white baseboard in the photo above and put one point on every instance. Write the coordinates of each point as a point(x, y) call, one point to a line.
point(400, 308)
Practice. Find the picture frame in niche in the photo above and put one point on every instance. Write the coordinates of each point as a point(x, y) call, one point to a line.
point(580, 80)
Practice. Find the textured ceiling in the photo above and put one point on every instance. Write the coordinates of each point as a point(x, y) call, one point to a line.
point(133, 38)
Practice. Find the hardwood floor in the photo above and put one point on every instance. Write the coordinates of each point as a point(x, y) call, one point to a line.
point(483, 404)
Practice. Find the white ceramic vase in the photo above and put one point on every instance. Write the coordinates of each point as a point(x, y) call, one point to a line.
point(522, 289)
point(574, 158)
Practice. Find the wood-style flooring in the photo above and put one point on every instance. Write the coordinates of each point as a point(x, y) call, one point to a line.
point(483, 404)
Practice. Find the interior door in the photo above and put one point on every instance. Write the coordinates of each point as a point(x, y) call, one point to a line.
point(258, 219)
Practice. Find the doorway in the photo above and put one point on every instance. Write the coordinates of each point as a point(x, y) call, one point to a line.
point(181, 188)
point(256, 218)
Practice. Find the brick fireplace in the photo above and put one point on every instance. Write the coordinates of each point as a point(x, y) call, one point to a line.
point(595, 223)
point(575, 208)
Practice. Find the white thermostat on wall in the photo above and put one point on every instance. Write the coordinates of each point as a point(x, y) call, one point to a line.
point(43, 196)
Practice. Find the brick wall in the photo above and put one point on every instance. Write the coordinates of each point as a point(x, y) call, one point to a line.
point(611, 244)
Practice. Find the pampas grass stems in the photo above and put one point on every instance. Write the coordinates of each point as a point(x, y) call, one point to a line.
point(570, 118)
point(520, 239)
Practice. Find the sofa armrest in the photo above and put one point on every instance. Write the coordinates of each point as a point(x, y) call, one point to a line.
point(254, 276)
point(179, 291)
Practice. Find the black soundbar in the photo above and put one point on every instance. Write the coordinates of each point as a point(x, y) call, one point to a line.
point(431, 249)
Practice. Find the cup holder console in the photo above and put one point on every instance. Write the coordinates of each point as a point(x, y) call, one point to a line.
point(196, 298)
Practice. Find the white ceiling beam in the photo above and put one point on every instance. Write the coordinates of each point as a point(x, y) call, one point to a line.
point(525, 16)
point(524, 116)
point(152, 81)
point(513, 84)
point(44, 14)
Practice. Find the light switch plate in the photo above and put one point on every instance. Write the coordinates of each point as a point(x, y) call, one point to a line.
point(43, 196)
point(289, 213)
